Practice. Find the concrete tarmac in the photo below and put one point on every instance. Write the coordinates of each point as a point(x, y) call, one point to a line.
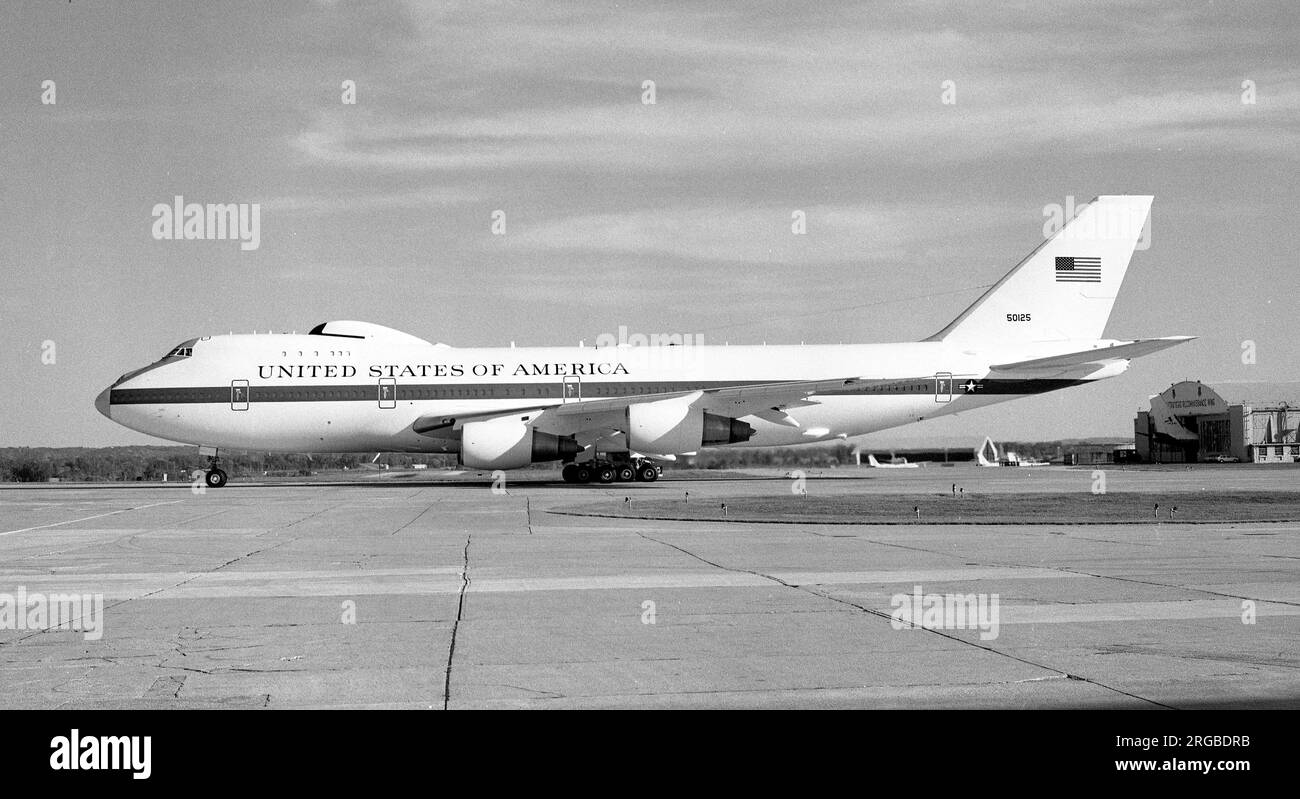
point(415, 593)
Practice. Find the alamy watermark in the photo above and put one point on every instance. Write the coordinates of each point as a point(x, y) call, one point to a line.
point(625, 339)
point(1107, 224)
point(81, 612)
point(946, 612)
point(74, 751)
point(656, 350)
point(180, 220)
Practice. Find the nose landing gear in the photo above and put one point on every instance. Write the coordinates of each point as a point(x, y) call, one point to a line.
point(214, 476)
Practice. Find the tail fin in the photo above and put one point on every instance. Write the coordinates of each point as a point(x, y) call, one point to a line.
point(1064, 289)
point(871, 459)
point(986, 454)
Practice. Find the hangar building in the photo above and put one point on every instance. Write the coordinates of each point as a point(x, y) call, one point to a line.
point(1249, 422)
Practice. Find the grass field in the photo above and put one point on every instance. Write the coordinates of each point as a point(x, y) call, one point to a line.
point(1081, 508)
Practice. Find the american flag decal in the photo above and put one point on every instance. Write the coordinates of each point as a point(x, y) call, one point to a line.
point(1073, 269)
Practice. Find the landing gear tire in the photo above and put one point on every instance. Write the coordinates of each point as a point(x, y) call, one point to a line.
point(215, 478)
point(570, 473)
point(606, 474)
point(647, 474)
point(583, 474)
point(626, 474)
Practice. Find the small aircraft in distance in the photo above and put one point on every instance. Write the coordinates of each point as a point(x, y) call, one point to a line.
point(987, 454)
point(894, 463)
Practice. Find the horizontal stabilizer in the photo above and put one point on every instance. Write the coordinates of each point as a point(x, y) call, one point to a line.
point(1097, 355)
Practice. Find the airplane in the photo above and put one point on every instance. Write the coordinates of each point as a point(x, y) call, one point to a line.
point(616, 413)
point(900, 463)
point(987, 454)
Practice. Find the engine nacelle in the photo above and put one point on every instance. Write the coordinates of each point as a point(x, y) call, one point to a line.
point(670, 426)
point(509, 444)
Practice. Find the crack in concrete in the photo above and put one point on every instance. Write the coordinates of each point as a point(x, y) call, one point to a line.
point(547, 694)
point(111, 606)
point(418, 516)
point(1166, 585)
point(778, 690)
point(455, 627)
point(166, 686)
point(883, 615)
point(178, 523)
point(1066, 570)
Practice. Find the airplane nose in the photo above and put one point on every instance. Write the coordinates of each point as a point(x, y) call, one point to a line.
point(101, 403)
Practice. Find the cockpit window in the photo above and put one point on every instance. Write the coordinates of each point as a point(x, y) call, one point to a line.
point(183, 350)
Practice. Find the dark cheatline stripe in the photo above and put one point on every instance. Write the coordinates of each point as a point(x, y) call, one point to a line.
point(369, 392)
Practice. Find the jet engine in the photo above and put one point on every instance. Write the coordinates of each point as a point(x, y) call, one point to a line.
point(670, 426)
point(509, 444)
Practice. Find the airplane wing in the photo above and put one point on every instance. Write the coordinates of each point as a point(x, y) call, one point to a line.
point(766, 400)
point(1098, 356)
point(742, 399)
point(448, 425)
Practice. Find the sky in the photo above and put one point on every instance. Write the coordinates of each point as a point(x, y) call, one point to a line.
point(922, 142)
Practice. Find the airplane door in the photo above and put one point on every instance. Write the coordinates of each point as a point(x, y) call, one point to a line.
point(238, 395)
point(387, 393)
point(571, 388)
point(943, 387)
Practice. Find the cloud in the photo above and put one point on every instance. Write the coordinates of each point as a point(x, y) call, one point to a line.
point(321, 204)
point(505, 87)
point(835, 233)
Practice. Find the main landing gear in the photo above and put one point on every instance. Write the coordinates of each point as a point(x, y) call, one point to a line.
point(601, 470)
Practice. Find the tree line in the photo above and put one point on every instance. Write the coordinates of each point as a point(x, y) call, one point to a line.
point(145, 463)
point(152, 463)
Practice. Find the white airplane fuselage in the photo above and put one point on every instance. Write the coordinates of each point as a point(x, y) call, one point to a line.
point(315, 393)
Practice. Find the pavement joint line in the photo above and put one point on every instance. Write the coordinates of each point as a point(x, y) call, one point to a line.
point(1209, 553)
point(1166, 585)
point(881, 614)
point(1191, 574)
point(944, 634)
point(131, 534)
point(1077, 572)
point(909, 522)
point(455, 627)
point(190, 579)
point(88, 518)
